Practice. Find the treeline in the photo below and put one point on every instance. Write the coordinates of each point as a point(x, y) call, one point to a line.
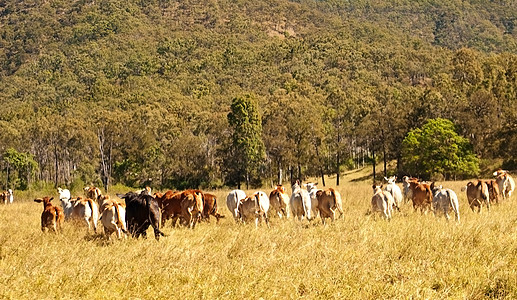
point(139, 92)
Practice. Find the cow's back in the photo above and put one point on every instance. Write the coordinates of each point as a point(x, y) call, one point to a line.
point(233, 199)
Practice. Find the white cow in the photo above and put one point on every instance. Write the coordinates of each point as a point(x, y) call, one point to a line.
point(407, 193)
point(443, 200)
point(300, 202)
point(505, 182)
point(10, 196)
point(113, 217)
point(232, 202)
point(382, 201)
point(64, 198)
point(255, 206)
point(394, 190)
point(313, 189)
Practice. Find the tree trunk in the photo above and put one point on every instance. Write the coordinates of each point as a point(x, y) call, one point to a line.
point(320, 163)
point(57, 167)
point(105, 161)
point(291, 174)
point(279, 172)
point(374, 162)
point(7, 177)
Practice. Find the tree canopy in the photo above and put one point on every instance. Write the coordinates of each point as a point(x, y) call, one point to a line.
point(138, 92)
point(436, 149)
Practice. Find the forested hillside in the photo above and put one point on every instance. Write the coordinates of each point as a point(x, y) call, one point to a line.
point(139, 92)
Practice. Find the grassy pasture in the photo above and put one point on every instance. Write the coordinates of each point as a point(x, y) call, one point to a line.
point(357, 257)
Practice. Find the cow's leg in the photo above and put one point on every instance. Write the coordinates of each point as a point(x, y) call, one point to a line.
point(174, 220)
point(94, 221)
point(87, 221)
point(446, 212)
point(267, 221)
point(107, 233)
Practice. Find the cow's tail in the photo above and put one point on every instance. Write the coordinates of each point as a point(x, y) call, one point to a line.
point(214, 209)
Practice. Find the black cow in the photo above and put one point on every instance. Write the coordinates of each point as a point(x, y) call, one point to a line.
point(141, 211)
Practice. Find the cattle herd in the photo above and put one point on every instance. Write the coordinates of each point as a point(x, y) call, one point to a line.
point(132, 213)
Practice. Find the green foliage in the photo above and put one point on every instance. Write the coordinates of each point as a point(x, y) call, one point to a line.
point(436, 149)
point(21, 168)
point(248, 147)
point(332, 78)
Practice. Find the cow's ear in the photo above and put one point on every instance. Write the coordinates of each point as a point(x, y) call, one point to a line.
point(52, 198)
point(39, 200)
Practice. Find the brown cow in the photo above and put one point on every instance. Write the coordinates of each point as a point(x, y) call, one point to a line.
point(477, 193)
point(493, 191)
point(328, 202)
point(279, 201)
point(169, 204)
point(421, 195)
point(210, 207)
point(7, 197)
point(187, 204)
point(52, 216)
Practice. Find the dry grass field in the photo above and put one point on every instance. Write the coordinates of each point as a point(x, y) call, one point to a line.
point(357, 257)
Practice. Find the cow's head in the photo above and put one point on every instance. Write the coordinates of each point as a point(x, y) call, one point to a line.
point(376, 188)
point(296, 185)
point(198, 199)
point(391, 179)
point(45, 200)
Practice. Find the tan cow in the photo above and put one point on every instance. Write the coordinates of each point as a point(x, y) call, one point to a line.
point(382, 201)
point(328, 202)
point(93, 193)
point(505, 182)
point(113, 217)
point(477, 194)
point(255, 207)
point(191, 207)
point(279, 201)
point(86, 210)
point(52, 216)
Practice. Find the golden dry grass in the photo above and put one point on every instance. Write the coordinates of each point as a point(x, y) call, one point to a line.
point(357, 257)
